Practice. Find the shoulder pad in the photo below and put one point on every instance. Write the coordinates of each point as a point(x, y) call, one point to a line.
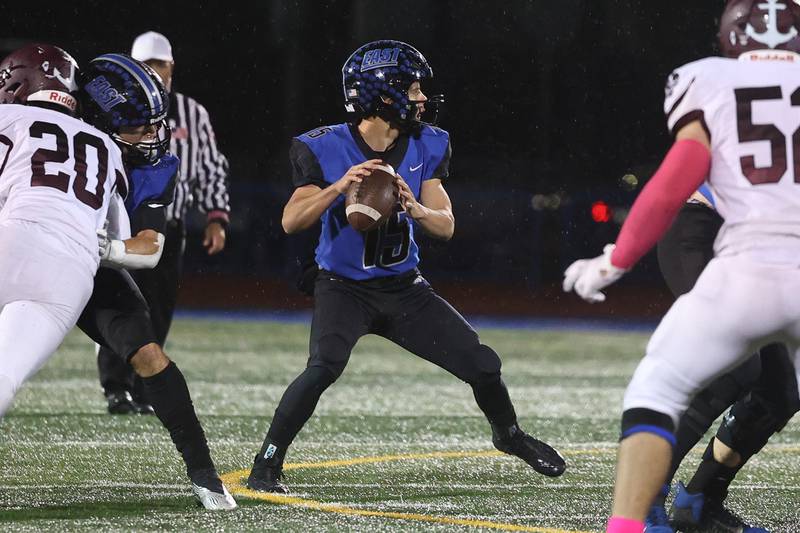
point(322, 134)
point(688, 91)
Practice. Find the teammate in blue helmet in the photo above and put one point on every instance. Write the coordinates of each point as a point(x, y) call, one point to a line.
point(127, 100)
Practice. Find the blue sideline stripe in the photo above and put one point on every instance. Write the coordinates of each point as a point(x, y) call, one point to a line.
point(481, 321)
point(649, 428)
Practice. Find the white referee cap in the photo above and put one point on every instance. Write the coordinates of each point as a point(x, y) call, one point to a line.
point(151, 45)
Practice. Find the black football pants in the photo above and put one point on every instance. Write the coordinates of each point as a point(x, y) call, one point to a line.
point(405, 310)
point(116, 316)
point(159, 286)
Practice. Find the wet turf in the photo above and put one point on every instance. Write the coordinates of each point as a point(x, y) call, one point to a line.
point(66, 465)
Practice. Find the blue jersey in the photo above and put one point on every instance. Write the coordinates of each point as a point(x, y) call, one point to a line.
point(154, 184)
point(322, 156)
point(707, 194)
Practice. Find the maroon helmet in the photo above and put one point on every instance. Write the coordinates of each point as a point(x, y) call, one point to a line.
point(748, 25)
point(39, 73)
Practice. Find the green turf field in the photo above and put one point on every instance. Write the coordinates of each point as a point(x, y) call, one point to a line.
point(67, 465)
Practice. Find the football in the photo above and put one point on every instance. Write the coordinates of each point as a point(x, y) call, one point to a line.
point(369, 203)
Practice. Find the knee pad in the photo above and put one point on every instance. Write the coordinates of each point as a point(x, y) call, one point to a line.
point(330, 352)
point(750, 423)
point(321, 377)
point(7, 392)
point(711, 402)
point(642, 420)
point(481, 366)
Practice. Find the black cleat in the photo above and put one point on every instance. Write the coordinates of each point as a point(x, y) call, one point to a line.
point(142, 407)
point(265, 477)
point(120, 403)
point(718, 519)
point(694, 513)
point(539, 455)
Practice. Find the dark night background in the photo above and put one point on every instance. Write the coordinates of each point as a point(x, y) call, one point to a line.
point(549, 105)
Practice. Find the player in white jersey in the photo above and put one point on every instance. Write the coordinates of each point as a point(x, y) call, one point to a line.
point(57, 175)
point(736, 123)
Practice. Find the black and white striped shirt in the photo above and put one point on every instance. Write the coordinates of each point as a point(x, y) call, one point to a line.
point(203, 177)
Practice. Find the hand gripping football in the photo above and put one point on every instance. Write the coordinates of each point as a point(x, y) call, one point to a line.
point(369, 203)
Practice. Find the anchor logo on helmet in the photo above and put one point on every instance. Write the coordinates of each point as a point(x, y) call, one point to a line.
point(772, 37)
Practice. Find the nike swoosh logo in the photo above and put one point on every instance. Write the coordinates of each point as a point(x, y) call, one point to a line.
point(412, 169)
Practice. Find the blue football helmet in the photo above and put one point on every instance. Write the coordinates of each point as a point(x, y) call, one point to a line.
point(118, 91)
point(385, 70)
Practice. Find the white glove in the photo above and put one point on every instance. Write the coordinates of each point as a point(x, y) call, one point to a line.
point(103, 242)
point(588, 276)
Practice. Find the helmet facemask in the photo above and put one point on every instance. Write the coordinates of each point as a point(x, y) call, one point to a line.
point(146, 152)
point(405, 113)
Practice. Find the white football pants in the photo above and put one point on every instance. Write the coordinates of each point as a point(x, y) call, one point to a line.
point(45, 283)
point(736, 307)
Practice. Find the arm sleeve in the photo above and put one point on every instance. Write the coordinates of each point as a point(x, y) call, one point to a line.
point(443, 168)
point(211, 186)
point(306, 169)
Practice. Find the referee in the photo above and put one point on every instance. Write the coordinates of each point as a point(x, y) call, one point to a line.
point(202, 182)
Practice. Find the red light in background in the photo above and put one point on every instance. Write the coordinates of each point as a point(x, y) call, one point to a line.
point(601, 212)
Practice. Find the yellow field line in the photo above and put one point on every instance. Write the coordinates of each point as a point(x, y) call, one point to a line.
point(341, 509)
point(391, 458)
point(235, 483)
point(428, 455)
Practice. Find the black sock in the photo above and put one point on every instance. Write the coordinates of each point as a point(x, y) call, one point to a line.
point(494, 401)
point(687, 436)
point(272, 452)
point(169, 396)
point(295, 408)
point(717, 487)
point(712, 478)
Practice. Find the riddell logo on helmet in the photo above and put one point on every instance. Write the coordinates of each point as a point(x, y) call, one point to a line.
point(103, 93)
point(385, 57)
point(778, 55)
point(63, 99)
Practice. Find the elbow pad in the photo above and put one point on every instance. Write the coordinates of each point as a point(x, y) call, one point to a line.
point(115, 255)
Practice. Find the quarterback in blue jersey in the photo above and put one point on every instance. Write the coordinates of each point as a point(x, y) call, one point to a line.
point(368, 282)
